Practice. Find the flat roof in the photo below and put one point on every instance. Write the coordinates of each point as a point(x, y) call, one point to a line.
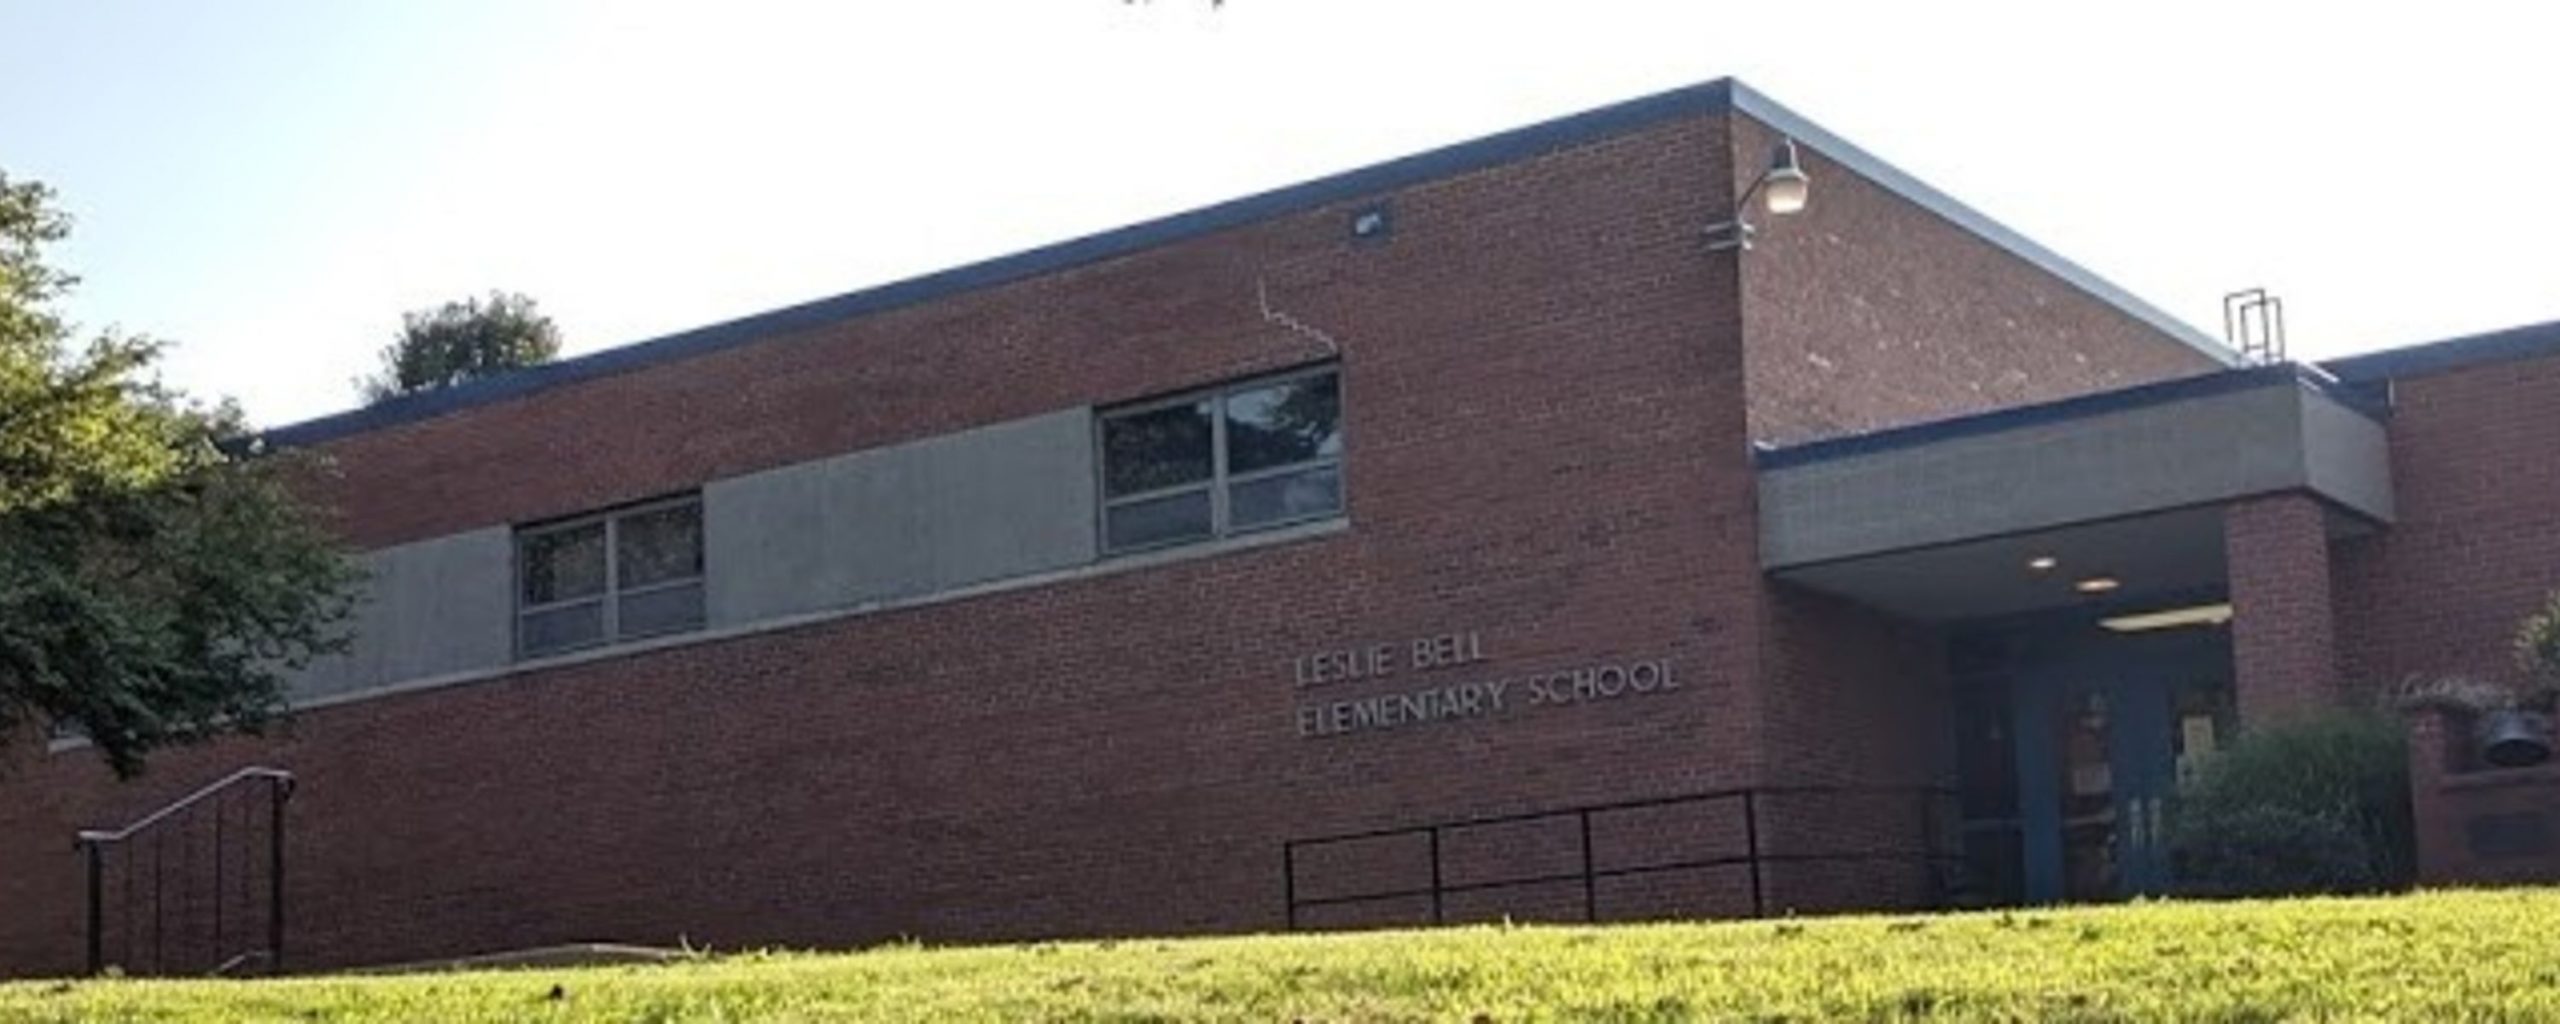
point(1718, 96)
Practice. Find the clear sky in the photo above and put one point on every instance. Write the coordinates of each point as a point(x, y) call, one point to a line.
point(268, 184)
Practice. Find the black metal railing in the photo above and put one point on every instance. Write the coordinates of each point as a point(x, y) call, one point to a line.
point(1940, 867)
point(196, 887)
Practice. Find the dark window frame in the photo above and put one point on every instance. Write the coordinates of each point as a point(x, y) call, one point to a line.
point(610, 597)
point(1221, 482)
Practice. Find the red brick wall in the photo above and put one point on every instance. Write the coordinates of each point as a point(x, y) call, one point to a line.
point(2477, 542)
point(2284, 658)
point(1850, 691)
point(1856, 699)
point(1544, 401)
point(1866, 311)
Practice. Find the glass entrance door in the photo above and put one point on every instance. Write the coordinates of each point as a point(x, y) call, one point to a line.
point(2071, 745)
point(2120, 747)
point(2113, 780)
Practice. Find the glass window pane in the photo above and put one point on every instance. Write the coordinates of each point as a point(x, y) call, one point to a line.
point(1289, 422)
point(660, 611)
point(1279, 499)
point(1157, 520)
point(658, 545)
point(558, 629)
point(560, 565)
point(1156, 449)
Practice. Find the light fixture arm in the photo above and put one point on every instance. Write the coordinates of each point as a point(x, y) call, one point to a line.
point(1783, 167)
point(1730, 234)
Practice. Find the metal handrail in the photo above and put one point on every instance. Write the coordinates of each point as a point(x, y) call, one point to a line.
point(1732, 793)
point(93, 835)
point(1558, 878)
point(94, 843)
point(1753, 857)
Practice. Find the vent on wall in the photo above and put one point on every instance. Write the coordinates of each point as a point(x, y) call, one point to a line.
point(2253, 322)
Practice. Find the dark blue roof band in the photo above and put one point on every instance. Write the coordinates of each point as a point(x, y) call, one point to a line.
point(2532, 341)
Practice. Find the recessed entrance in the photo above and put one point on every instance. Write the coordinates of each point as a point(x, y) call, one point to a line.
point(2014, 534)
point(2071, 741)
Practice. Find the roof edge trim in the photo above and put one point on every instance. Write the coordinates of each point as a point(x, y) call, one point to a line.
point(2528, 341)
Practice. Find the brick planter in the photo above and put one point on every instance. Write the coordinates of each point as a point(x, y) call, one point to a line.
point(2478, 825)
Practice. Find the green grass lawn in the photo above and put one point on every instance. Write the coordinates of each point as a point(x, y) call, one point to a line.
point(2434, 957)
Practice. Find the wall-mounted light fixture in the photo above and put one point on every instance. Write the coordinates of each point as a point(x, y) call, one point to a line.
point(1784, 187)
point(1372, 223)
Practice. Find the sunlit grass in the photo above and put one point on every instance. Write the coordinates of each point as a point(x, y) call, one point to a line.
point(2432, 957)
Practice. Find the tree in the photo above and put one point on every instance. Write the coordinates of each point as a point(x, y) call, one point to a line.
point(461, 341)
point(157, 575)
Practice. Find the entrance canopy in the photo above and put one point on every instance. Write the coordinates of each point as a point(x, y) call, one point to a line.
point(2115, 496)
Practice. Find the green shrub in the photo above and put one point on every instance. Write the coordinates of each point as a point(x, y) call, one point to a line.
point(2269, 849)
point(2315, 805)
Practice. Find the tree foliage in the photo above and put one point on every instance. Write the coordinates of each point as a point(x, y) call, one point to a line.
point(156, 579)
point(460, 341)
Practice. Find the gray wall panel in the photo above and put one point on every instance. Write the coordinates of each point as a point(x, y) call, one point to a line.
point(429, 608)
point(2348, 456)
point(1012, 498)
point(1001, 500)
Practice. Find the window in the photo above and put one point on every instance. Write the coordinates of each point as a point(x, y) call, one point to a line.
point(1243, 457)
point(617, 576)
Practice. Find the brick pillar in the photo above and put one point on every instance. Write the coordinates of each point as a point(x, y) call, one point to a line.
point(2438, 829)
point(2283, 634)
